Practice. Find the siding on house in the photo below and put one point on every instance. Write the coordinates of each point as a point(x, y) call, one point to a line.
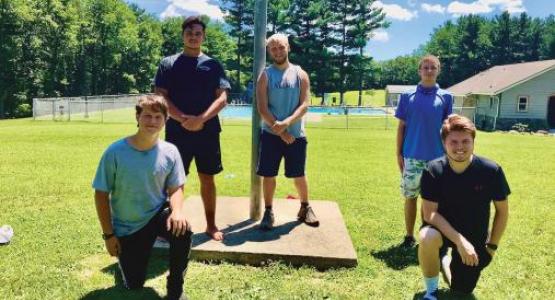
point(538, 89)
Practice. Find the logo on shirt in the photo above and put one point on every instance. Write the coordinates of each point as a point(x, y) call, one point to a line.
point(203, 68)
point(478, 188)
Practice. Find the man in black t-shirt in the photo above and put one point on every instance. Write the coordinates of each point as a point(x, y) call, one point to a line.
point(457, 191)
point(195, 87)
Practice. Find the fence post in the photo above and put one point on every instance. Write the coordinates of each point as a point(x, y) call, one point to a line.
point(101, 111)
point(69, 110)
point(53, 110)
point(34, 109)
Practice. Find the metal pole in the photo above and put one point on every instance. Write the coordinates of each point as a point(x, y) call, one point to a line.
point(260, 19)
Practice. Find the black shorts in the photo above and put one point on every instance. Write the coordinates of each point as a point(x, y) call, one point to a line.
point(272, 148)
point(203, 147)
point(464, 278)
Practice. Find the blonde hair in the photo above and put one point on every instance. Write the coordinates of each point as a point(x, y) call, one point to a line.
point(431, 58)
point(155, 102)
point(279, 38)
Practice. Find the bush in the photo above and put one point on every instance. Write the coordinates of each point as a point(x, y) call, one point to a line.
point(23, 110)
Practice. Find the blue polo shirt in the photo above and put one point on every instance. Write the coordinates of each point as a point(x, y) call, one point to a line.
point(423, 112)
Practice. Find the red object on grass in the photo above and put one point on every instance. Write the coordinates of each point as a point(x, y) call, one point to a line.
point(289, 196)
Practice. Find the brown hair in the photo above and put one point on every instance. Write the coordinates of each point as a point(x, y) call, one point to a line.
point(154, 102)
point(456, 122)
point(190, 21)
point(432, 58)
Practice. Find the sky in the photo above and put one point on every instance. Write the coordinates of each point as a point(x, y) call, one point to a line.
point(412, 21)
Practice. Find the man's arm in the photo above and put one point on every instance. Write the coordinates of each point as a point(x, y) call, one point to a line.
point(464, 247)
point(175, 113)
point(102, 201)
point(262, 100)
point(176, 221)
point(300, 111)
point(499, 222)
point(400, 140)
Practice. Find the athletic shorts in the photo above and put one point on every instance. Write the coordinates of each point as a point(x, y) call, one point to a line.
point(203, 147)
point(410, 180)
point(464, 278)
point(272, 149)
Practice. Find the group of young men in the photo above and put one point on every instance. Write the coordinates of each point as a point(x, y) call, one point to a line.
point(140, 179)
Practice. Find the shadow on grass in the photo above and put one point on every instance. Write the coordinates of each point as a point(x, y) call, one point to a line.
point(397, 257)
point(157, 265)
point(119, 292)
point(447, 294)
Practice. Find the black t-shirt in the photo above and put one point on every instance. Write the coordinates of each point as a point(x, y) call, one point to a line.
point(191, 83)
point(464, 199)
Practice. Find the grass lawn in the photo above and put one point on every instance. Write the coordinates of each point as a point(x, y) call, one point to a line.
point(46, 169)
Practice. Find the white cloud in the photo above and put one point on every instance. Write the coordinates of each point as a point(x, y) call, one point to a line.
point(432, 8)
point(412, 3)
point(380, 36)
point(395, 11)
point(190, 7)
point(485, 6)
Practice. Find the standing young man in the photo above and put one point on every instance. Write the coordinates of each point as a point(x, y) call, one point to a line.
point(195, 86)
point(283, 95)
point(134, 179)
point(457, 191)
point(420, 115)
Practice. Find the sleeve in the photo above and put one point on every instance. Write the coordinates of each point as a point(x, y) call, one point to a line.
point(500, 190)
point(177, 175)
point(429, 185)
point(448, 105)
point(223, 82)
point(161, 78)
point(105, 177)
point(401, 111)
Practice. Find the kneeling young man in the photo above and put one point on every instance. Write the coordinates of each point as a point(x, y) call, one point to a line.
point(134, 179)
point(457, 190)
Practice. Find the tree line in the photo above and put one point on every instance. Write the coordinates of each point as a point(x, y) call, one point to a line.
point(472, 44)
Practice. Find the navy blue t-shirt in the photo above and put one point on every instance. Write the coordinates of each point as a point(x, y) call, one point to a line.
point(464, 199)
point(191, 83)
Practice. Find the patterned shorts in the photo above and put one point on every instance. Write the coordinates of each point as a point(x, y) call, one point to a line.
point(410, 181)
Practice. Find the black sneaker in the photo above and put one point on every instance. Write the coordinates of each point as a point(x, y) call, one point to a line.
point(408, 242)
point(430, 296)
point(306, 215)
point(267, 222)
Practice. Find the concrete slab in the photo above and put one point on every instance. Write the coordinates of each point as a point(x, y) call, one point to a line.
point(326, 246)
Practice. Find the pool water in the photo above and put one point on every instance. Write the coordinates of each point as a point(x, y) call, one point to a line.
point(232, 111)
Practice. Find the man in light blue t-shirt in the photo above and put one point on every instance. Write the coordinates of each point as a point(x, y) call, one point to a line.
point(134, 180)
point(421, 114)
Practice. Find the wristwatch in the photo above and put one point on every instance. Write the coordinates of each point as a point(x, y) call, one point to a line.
point(491, 246)
point(107, 236)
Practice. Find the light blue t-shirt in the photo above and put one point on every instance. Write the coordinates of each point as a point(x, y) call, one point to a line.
point(284, 92)
point(137, 182)
point(423, 111)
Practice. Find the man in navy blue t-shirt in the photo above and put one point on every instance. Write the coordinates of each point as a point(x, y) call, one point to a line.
point(195, 86)
point(457, 191)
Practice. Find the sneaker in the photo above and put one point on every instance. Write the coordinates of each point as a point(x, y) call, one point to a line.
point(267, 222)
point(306, 215)
point(430, 296)
point(408, 242)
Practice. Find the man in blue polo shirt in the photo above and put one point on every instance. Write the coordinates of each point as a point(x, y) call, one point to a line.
point(195, 86)
point(420, 115)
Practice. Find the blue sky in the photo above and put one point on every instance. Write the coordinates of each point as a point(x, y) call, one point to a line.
point(412, 21)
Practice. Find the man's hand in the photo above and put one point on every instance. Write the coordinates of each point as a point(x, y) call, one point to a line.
point(401, 162)
point(192, 123)
point(113, 246)
point(467, 253)
point(176, 223)
point(287, 138)
point(279, 127)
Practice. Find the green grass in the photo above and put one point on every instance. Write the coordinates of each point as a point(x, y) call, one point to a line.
point(46, 169)
point(369, 98)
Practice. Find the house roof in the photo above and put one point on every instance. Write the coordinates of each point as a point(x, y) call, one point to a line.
point(498, 79)
point(399, 89)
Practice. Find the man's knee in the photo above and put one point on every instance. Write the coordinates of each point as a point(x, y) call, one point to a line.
point(430, 238)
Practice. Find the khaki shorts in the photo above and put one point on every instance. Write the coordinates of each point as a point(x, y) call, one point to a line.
point(410, 180)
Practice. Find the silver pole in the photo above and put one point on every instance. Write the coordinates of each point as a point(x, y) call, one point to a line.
point(260, 20)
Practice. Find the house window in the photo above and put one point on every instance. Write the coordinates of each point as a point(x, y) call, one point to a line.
point(522, 105)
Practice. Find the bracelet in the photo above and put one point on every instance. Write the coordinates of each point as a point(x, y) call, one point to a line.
point(107, 236)
point(491, 246)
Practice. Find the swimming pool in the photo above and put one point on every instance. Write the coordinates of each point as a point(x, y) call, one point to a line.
point(245, 111)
